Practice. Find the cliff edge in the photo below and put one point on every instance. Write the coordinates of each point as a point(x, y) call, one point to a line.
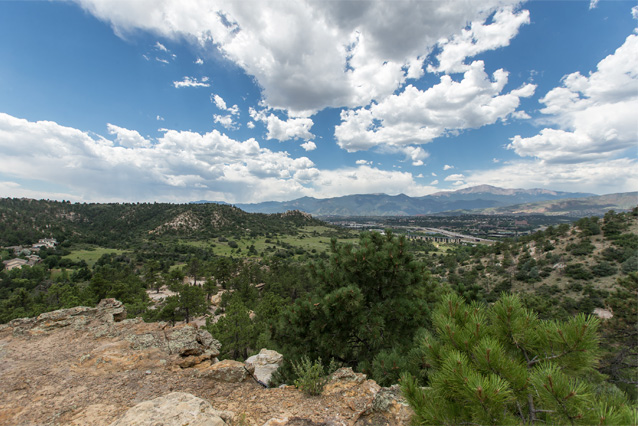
point(90, 366)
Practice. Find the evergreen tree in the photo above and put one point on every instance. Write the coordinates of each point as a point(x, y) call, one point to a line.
point(234, 330)
point(620, 336)
point(192, 301)
point(502, 365)
point(368, 298)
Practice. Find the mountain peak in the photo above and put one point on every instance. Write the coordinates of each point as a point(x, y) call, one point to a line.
point(495, 190)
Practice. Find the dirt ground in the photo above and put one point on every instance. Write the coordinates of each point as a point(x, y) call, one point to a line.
point(86, 369)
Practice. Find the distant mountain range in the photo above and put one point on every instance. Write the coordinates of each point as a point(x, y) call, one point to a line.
point(575, 207)
point(463, 200)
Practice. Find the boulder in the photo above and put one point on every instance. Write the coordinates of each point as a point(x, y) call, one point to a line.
point(174, 409)
point(113, 309)
point(388, 408)
point(265, 363)
point(188, 341)
point(191, 361)
point(216, 299)
point(376, 406)
point(228, 371)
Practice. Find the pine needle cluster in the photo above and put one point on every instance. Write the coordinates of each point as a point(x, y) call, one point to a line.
point(503, 365)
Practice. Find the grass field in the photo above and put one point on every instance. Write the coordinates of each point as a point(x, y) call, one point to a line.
point(90, 256)
point(310, 238)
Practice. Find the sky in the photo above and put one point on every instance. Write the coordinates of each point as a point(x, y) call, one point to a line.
point(249, 101)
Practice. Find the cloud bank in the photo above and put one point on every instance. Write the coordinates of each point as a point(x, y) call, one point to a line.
point(201, 166)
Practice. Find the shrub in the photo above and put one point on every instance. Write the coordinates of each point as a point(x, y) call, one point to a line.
point(583, 248)
point(604, 269)
point(311, 376)
point(577, 271)
point(630, 265)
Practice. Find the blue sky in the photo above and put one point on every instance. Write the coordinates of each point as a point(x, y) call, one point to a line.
point(104, 100)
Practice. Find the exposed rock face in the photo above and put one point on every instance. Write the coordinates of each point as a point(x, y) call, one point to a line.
point(106, 313)
point(174, 409)
point(265, 363)
point(228, 371)
point(376, 406)
point(86, 367)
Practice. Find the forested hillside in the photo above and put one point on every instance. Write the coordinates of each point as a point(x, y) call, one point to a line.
point(561, 272)
point(371, 303)
point(24, 221)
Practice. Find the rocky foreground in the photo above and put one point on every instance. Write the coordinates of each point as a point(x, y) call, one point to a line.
point(90, 366)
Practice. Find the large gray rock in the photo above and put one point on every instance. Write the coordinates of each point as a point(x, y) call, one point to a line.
point(190, 341)
point(174, 409)
point(265, 363)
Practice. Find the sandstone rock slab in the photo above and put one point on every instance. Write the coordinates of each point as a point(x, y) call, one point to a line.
point(174, 409)
point(228, 371)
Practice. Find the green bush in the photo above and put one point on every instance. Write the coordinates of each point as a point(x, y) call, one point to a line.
point(604, 269)
point(578, 272)
point(630, 265)
point(311, 376)
point(583, 248)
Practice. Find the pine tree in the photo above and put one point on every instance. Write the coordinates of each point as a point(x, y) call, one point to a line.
point(502, 365)
point(192, 301)
point(234, 330)
point(369, 298)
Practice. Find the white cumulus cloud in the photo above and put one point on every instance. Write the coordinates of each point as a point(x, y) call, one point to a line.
point(455, 177)
point(309, 55)
point(127, 138)
point(192, 82)
point(159, 46)
point(202, 166)
point(221, 104)
point(225, 120)
point(309, 146)
point(477, 39)
point(595, 114)
point(417, 116)
point(292, 128)
point(602, 177)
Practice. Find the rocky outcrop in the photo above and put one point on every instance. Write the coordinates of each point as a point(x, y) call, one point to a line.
point(228, 371)
point(265, 363)
point(107, 312)
point(174, 409)
point(376, 406)
point(88, 366)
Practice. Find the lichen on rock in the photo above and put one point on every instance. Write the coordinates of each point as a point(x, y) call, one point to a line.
point(174, 409)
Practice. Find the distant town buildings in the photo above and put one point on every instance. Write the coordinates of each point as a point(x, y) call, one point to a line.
point(46, 242)
point(30, 259)
point(14, 263)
